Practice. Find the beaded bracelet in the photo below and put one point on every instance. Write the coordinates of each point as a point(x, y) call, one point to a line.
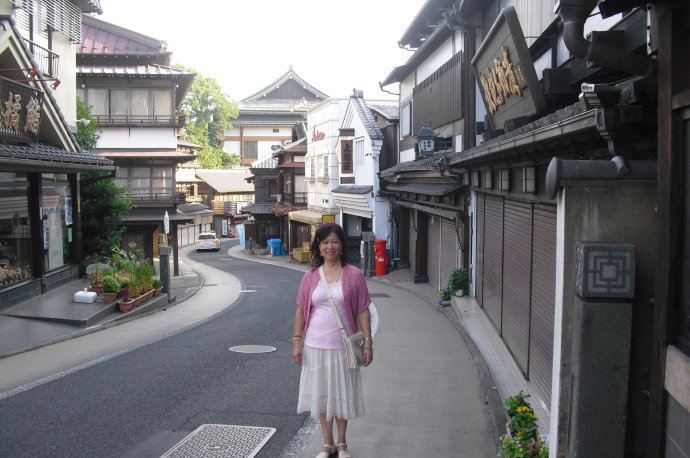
point(297, 337)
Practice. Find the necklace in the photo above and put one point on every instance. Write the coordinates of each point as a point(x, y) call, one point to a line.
point(340, 272)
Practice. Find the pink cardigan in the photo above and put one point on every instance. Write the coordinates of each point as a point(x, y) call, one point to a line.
point(355, 291)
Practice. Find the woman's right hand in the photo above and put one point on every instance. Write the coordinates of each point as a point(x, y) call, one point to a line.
point(297, 353)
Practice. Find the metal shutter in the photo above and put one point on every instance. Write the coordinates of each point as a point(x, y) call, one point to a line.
point(433, 252)
point(413, 240)
point(448, 250)
point(543, 298)
point(493, 258)
point(517, 255)
point(479, 257)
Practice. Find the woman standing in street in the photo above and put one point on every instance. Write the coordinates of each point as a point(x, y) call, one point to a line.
point(328, 388)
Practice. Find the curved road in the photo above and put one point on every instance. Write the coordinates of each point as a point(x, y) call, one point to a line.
point(143, 401)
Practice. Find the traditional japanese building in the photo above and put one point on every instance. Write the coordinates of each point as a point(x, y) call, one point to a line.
point(267, 117)
point(40, 226)
point(135, 97)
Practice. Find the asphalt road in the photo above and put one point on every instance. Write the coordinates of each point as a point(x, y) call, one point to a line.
point(142, 402)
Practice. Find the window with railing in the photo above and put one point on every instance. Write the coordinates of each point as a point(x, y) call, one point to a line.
point(146, 183)
point(46, 60)
point(130, 106)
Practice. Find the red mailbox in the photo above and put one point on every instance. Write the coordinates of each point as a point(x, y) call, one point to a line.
point(381, 257)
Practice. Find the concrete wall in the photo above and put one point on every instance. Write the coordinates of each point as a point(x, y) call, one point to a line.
point(607, 211)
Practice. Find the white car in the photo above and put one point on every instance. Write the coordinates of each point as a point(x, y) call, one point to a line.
point(207, 241)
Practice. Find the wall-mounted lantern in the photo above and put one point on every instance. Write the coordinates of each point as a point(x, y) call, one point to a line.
point(426, 141)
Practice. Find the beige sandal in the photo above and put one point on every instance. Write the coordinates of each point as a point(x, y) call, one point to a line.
point(323, 454)
point(343, 453)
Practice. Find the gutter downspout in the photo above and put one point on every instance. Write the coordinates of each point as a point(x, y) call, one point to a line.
point(574, 13)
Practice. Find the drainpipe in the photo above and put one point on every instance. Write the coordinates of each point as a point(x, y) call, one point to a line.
point(574, 13)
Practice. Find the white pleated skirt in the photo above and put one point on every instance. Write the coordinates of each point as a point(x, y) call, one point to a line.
point(327, 386)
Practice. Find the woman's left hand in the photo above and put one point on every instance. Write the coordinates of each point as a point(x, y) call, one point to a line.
point(368, 356)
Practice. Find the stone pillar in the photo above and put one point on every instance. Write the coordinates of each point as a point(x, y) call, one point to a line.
point(600, 348)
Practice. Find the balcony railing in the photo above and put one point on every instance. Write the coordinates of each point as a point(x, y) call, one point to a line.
point(20, 111)
point(140, 120)
point(46, 59)
point(295, 197)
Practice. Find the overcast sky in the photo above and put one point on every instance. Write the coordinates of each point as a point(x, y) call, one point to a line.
point(247, 44)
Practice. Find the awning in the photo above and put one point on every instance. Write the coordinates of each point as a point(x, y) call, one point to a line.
point(427, 209)
point(429, 189)
point(40, 157)
point(354, 204)
point(311, 217)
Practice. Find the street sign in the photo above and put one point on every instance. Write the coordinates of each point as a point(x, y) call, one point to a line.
point(166, 222)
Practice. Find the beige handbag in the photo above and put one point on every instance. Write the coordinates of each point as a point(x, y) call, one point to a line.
point(354, 342)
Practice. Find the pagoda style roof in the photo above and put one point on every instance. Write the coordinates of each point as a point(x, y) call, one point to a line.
point(272, 91)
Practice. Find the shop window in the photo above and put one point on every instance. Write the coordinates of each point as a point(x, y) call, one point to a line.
point(346, 156)
point(57, 205)
point(15, 229)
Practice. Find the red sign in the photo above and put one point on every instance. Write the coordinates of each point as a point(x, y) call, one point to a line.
point(317, 136)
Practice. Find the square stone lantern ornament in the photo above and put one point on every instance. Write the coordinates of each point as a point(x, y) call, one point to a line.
point(605, 270)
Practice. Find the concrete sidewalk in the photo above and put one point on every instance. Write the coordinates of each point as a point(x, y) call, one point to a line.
point(19, 334)
point(427, 392)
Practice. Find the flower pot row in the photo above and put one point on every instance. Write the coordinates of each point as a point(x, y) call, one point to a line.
point(126, 305)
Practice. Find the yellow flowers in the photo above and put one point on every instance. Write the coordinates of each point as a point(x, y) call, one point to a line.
point(523, 409)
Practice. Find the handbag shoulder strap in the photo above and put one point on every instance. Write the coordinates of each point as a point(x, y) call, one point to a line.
point(331, 300)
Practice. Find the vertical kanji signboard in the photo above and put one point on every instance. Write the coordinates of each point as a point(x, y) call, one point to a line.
point(505, 72)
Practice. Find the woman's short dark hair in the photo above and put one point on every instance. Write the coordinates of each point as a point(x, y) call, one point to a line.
point(321, 233)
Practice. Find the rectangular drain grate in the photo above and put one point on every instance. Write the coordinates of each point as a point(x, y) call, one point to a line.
point(379, 295)
point(227, 441)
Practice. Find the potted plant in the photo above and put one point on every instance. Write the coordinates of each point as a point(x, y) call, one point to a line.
point(458, 283)
point(522, 433)
point(111, 287)
point(125, 305)
point(157, 287)
point(124, 279)
point(96, 280)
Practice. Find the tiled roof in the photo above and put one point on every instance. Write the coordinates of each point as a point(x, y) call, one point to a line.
point(277, 105)
point(151, 70)
point(424, 164)
point(101, 37)
point(367, 118)
point(42, 153)
point(232, 180)
point(390, 112)
point(431, 189)
point(353, 189)
point(187, 143)
point(193, 209)
point(289, 75)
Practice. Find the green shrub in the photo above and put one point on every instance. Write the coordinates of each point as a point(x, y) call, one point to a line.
point(157, 283)
point(458, 279)
point(111, 285)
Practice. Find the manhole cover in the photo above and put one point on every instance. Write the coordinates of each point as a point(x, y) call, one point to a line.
point(229, 441)
point(252, 349)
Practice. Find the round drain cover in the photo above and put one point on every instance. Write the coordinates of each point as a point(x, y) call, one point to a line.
point(252, 349)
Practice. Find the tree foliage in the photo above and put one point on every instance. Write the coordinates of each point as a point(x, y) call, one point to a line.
point(209, 113)
point(103, 203)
